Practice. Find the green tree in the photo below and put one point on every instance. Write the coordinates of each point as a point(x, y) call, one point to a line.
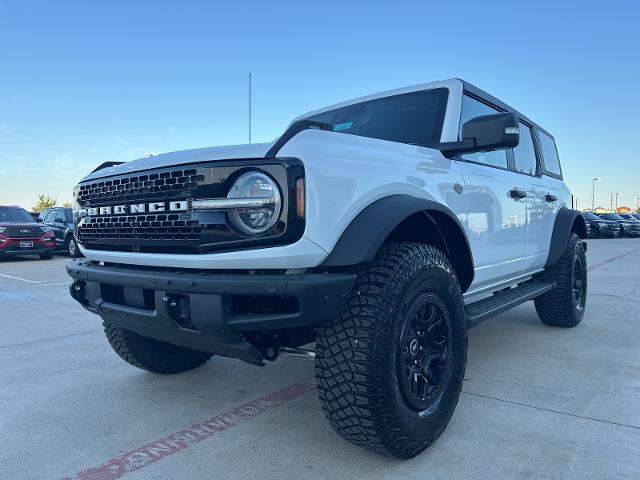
point(67, 205)
point(44, 202)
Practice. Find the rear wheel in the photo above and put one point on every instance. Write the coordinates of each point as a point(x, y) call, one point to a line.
point(564, 305)
point(152, 355)
point(389, 370)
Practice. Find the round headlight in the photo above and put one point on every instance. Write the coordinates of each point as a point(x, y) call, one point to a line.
point(256, 220)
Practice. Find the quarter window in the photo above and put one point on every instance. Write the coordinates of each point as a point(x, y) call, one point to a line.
point(524, 155)
point(472, 108)
point(549, 154)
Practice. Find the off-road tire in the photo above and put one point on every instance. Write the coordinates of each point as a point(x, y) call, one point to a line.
point(152, 355)
point(559, 307)
point(46, 256)
point(356, 365)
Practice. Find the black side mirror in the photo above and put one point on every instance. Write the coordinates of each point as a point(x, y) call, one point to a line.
point(486, 133)
point(38, 219)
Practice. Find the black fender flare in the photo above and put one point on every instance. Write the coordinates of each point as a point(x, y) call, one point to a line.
point(567, 221)
point(366, 233)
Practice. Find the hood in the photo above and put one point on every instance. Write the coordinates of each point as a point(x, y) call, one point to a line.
point(181, 157)
point(21, 224)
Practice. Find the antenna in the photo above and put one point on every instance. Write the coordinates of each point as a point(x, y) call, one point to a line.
point(249, 107)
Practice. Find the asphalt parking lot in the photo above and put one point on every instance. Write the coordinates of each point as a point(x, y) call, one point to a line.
point(537, 402)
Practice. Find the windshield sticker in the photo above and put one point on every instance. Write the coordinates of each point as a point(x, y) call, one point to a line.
point(342, 126)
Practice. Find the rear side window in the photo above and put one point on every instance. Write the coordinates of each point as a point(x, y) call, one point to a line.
point(524, 155)
point(68, 215)
point(472, 108)
point(415, 118)
point(549, 154)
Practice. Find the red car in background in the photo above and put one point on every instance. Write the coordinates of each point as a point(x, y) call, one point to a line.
point(20, 234)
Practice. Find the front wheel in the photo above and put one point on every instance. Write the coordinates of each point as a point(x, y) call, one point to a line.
point(564, 305)
point(389, 370)
point(150, 354)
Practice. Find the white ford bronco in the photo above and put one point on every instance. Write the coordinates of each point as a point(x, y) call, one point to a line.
point(382, 229)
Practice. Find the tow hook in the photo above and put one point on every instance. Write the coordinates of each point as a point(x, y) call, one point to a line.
point(177, 309)
point(79, 292)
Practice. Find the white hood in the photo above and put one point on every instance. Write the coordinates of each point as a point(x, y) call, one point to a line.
point(181, 157)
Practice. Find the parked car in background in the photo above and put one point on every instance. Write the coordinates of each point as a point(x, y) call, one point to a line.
point(20, 234)
point(60, 220)
point(635, 215)
point(628, 228)
point(628, 216)
point(599, 227)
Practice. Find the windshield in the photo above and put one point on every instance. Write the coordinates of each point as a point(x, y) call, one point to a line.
point(612, 216)
point(627, 216)
point(13, 214)
point(591, 216)
point(415, 118)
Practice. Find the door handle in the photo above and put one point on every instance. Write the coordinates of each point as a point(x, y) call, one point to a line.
point(517, 194)
point(550, 198)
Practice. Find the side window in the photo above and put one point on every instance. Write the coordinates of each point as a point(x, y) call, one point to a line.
point(524, 155)
point(549, 154)
point(472, 108)
point(50, 217)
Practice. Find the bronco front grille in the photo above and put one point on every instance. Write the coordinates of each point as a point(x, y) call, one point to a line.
point(184, 231)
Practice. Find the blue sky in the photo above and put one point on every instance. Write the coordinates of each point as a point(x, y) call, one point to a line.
point(86, 82)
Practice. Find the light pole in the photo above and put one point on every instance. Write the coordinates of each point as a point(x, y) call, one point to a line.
point(617, 202)
point(593, 194)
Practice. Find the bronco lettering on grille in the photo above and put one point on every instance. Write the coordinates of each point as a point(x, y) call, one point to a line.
point(178, 206)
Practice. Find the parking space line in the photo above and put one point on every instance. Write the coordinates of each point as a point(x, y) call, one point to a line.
point(163, 447)
point(18, 278)
point(612, 259)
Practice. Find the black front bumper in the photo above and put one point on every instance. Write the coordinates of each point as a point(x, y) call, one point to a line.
point(207, 311)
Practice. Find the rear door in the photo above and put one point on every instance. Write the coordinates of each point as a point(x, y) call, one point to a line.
point(496, 208)
point(552, 175)
point(540, 202)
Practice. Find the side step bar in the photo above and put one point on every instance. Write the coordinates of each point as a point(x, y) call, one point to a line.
point(504, 300)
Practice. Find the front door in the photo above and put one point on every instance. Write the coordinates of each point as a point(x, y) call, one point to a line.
point(496, 207)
